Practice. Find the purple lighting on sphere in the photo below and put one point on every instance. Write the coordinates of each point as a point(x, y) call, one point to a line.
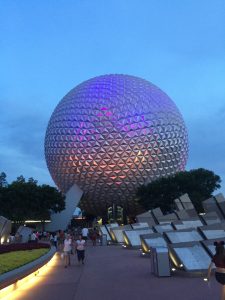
point(109, 135)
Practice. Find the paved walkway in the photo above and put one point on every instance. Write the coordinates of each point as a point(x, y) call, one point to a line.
point(114, 273)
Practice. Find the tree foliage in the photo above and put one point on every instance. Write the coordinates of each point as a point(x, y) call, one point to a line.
point(3, 181)
point(199, 184)
point(22, 200)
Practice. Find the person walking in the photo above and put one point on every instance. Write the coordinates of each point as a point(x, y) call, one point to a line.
point(61, 240)
point(94, 236)
point(67, 250)
point(84, 233)
point(219, 261)
point(51, 239)
point(33, 237)
point(80, 248)
point(56, 241)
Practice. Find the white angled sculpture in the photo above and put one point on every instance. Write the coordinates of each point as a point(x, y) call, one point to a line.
point(61, 220)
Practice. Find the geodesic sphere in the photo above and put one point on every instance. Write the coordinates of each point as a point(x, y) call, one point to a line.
point(109, 135)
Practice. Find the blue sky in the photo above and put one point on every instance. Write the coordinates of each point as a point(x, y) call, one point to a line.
point(48, 47)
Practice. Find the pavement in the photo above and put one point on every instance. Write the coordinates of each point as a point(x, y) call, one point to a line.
point(114, 273)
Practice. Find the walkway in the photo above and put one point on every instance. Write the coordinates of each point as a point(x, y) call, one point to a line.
point(114, 273)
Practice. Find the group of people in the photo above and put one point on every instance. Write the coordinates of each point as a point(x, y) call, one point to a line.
point(218, 259)
point(71, 246)
point(70, 243)
point(39, 235)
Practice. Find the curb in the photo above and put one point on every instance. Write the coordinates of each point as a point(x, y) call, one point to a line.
point(13, 276)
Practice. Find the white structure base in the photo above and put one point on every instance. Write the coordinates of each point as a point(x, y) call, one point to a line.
point(60, 221)
point(25, 233)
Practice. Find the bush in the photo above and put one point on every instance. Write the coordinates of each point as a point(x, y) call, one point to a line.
point(22, 246)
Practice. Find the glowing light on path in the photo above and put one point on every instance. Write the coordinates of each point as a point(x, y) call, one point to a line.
point(23, 286)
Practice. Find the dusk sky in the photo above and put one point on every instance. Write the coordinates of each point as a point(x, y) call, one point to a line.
point(48, 47)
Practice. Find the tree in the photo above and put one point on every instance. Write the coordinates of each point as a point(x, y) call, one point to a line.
point(49, 200)
point(199, 184)
point(19, 198)
point(3, 181)
point(22, 200)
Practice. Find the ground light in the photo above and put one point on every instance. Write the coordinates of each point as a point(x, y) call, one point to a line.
point(126, 240)
point(22, 286)
point(172, 257)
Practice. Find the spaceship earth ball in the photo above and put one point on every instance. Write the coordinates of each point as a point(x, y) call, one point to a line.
point(109, 135)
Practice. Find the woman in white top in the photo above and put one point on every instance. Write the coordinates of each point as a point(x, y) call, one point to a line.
point(67, 249)
point(80, 247)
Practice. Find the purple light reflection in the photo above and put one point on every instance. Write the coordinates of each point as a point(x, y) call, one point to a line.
point(109, 135)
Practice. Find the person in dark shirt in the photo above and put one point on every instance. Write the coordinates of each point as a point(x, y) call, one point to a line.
point(94, 236)
point(219, 261)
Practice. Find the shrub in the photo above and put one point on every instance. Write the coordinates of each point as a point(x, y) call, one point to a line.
point(22, 246)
